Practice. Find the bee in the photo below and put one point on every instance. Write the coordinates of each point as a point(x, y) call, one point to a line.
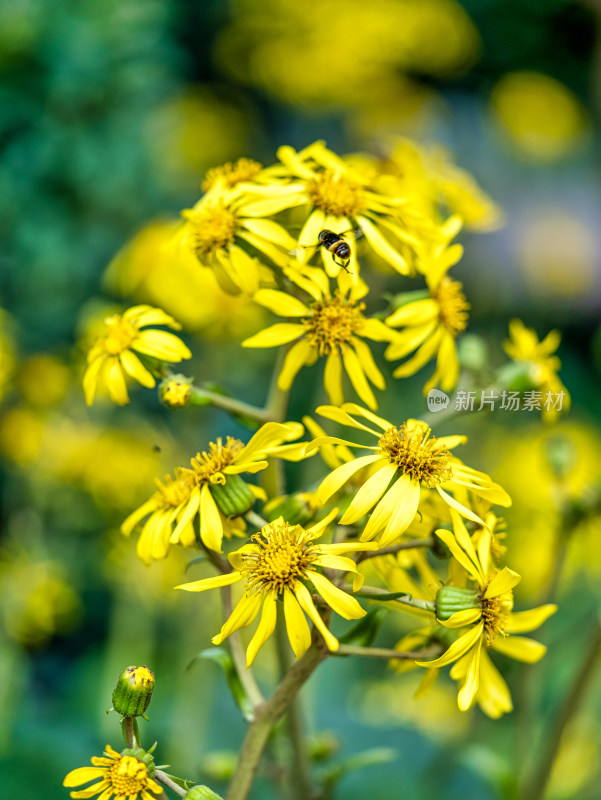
point(336, 245)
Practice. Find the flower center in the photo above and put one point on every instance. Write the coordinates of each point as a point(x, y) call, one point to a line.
point(452, 306)
point(214, 229)
point(208, 466)
point(417, 454)
point(119, 335)
point(279, 560)
point(244, 169)
point(176, 491)
point(495, 612)
point(128, 776)
point(332, 322)
point(336, 194)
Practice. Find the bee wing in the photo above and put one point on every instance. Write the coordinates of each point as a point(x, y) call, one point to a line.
point(300, 249)
point(357, 232)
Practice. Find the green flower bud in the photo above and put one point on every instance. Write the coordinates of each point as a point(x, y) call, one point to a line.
point(202, 793)
point(175, 391)
point(133, 691)
point(451, 599)
point(233, 497)
point(297, 509)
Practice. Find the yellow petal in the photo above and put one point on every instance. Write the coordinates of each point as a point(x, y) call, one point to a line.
point(469, 689)
point(421, 357)
point(270, 230)
point(299, 354)
point(503, 581)
point(187, 514)
point(303, 596)
point(82, 775)
point(269, 435)
point(116, 382)
point(448, 363)
point(369, 494)
point(353, 408)
point(134, 367)
point(90, 379)
point(463, 510)
point(493, 696)
point(211, 583)
point(318, 528)
point(473, 568)
point(265, 628)
point(341, 415)
point(161, 344)
point(336, 479)
point(358, 379)
point(275, 335)
point(309, 235)
point(382, 247)
point(241, 617)
point(399, 506)
point(462, 618)
point(376, 330)
point(458, 649)
point(211, 525)
point(130, 523)
point(282, 304)
point(521, 648)
point(332, 378)
point(404, 343)
point(368, 364)
point(416, 313)
point(343, 604)
point(296, 625)
point(524, 621)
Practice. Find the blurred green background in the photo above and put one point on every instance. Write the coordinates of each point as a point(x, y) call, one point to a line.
point(110, 115)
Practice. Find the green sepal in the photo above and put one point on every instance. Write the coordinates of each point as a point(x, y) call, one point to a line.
point(233, 497)
point(202, 793)
point(295, 508)
point(145, 756)
point(365, 631)
point(224, 659)
point(451, 599)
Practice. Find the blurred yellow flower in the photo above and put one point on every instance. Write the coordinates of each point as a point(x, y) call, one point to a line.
point(524, 347)
point(331, 326)
point(407, 459)
point(492, 621)
point(119, 776)
point(276, 565)
point(173, 507)
point(8, 355)
point(44, 380)
point(114, 353)
point(431, 325)
point(542, 117)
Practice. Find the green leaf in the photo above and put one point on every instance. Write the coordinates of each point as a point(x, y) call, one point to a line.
point(198, 560)
point(366, 630)
point(220, 656)
point(368, 758)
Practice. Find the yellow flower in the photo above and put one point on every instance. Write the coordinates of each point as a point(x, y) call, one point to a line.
point(413, 461)
point(492, 621)
point(114, 353)
point(525, 347)
point(232, 173)
point(121, 776)
point(173, 507)
point(277, 564)
point(331, 326)
point(341, 198)
point(217, 226)
point(431, 325)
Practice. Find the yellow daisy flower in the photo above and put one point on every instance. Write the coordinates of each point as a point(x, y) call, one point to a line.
point(219, 229)
point(114, 353)
point(120, 776)
point(331, 326)
point(278, 564)
point(492, 622)
point(431, 325)
point(406, 460)
point(211, 488)
point(524, 346)
point(341, 199)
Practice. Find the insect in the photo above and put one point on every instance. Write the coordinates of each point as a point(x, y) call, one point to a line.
point(335, 244)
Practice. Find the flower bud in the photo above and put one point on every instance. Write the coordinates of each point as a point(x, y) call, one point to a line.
point(133, 691)
point(297, 509)
point(233, 497)
point(176, 391)
point(202, 793)
point(451, 599)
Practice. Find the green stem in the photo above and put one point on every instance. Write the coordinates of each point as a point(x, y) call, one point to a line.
point(383, 652)
point(535, 787)
point(266, 717)
point(374, 593)
point(410, 544)
point(299, 778)
point(130, 729)
point(163, 778)
point(200, 396)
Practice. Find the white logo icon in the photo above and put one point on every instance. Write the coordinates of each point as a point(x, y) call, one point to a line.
point(437, 400)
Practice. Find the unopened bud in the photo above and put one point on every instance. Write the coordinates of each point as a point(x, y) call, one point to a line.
point(451, 599)
point(202, 793)
point(133, 691)
point(297, 509)
point(176, 391)
point(233, 497)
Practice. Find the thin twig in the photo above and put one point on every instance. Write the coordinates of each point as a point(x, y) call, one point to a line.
point(410, 544)
point(230, 404)
point(163, 778)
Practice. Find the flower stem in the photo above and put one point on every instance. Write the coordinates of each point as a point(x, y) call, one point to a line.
point(200, 397)
point(383, 652)
point(374, 593)
point(535, 786)
point(163, 778)
point(268, 714)
point(410, 544)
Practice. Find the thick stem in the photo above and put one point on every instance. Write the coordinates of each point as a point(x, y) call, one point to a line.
point(535, 787)
point(166, 781)
point(266, 717)
point(299, 778)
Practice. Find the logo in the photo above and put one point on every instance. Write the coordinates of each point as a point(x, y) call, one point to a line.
point(437, 400)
